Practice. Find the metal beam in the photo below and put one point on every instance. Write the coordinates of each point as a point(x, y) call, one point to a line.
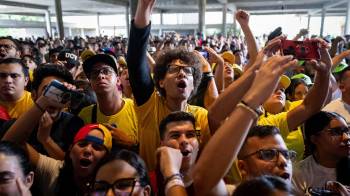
point(328, 5)
point(113, 2)
point(24, 5)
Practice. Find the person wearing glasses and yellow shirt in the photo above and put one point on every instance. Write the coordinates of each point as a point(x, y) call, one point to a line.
point(111, 108)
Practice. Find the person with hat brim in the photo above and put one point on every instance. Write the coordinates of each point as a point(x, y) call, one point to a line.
point(111, 108)
point(74, 175)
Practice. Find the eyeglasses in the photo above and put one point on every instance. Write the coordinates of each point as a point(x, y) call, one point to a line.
point(120, 187)
point(12, 75)
point(107, 71)
point(273, 154)
point(339, 131)
point(7, 47)
point(175, 69)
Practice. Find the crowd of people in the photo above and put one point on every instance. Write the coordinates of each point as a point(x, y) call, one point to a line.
point(174, 115)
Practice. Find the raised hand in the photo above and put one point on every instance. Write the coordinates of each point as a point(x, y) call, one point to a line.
point(242, 17)
point(267, 79)
point(170, 160)
point(143, 13)
point(214, 57)
point(45, 125)
point(23, 190)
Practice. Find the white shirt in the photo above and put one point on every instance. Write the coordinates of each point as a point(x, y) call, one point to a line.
point(308, 173)
point(340, 107)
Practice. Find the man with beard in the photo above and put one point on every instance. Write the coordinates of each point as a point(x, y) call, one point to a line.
point(13, 79)
point(9, 48)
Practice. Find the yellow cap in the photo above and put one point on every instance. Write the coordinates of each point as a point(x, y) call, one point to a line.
point(228, 57)
point(285, 81)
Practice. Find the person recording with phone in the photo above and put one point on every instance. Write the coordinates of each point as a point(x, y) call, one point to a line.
point(55, 131)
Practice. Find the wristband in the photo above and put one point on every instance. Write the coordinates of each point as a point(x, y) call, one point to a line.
point(39, 107)
point(173, 182)
point(258, 110)
point(174, 176)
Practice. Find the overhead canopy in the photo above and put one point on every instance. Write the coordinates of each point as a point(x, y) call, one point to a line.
point(88, 7)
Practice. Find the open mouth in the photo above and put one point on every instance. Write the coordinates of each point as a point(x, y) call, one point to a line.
point(181, 84)
point(285, 176)
point(85, 162)
point(185, 153)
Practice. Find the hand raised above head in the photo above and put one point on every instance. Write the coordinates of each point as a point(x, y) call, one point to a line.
point(242, 17)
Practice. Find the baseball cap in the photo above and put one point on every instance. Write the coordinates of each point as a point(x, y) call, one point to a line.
point(228, 57)
point(304, 77)
point(86, 54)
point(70, 58)
point(340, 67)
point(99, 58)
point(285, 81)
point(85, 130)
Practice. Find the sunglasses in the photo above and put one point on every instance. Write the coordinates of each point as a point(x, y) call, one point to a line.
point(273, 154)
point(124, 186)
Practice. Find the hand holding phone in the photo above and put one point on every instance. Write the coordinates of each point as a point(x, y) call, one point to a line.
point(303, 50)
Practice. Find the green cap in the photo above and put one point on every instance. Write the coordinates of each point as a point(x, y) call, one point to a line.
point(301, 62)
point(304, 77)
point(340, 67)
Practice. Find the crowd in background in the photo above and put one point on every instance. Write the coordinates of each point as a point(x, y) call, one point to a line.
point(174, 114)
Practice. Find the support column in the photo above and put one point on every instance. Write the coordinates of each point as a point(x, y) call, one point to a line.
point(347, 20)
point(308, 22)
point(82, 32)
point(201, 16)
point(234, 23)
point(59, 19)
point(48, 23)
point(70, 31)
point(224, 19)
point(127, 19)
point(98, 31)
point(322, 20)
point(161, 23)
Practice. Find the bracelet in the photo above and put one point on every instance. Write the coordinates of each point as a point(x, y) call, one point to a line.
point(173, 182)
point(174, 176)
point(39, 107)
point(258, 110)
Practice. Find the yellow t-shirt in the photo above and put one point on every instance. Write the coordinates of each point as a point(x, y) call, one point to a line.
point(149, 117)
point(125, 119)
point(17, 108)
point(293, 139)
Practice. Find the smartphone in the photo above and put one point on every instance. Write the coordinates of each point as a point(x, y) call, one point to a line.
point(58, 92)
point(303, 50)
point(205, 54)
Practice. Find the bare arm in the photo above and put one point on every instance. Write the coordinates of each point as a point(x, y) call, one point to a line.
point(243, 19)
point(231, 135)
point(21, 130)
point(227, 100)
point(338, 58)
point(315, 99)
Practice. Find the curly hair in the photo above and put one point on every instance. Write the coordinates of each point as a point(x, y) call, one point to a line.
point(165, 58)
